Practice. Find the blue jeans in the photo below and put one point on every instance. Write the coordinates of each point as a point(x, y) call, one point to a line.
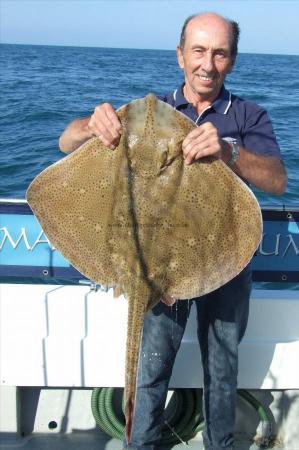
point(222, 318)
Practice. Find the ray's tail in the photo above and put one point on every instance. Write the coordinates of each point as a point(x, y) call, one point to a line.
point(137, 306)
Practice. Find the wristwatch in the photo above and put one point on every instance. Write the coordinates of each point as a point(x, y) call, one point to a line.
point(235, 153)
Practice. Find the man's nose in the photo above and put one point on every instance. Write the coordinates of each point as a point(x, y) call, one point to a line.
point(208, 62)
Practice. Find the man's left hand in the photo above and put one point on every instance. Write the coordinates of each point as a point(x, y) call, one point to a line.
point(204, 141)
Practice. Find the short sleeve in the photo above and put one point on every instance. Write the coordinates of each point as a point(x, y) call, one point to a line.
point(258, 135)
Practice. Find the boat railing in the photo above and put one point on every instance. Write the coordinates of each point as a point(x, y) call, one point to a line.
point(26, 252)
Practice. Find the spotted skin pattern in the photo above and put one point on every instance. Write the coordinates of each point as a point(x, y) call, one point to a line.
point(139, 219)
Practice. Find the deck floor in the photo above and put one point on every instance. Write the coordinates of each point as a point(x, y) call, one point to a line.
point(94, 441)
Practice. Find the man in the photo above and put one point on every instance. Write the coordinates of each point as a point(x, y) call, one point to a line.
point(240, 133)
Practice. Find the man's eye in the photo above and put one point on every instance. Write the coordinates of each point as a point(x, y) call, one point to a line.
point(220, 55)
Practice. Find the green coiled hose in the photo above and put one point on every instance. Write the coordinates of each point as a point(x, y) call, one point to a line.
point(184, 417)
point(104, 414)
point(183, 412)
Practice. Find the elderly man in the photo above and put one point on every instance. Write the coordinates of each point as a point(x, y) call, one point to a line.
point(240, 133)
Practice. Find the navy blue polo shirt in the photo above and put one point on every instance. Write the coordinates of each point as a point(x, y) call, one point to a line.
point(234, 118)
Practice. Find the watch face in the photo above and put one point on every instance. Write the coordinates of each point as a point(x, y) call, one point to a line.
point(235, 153)
point(230, 140)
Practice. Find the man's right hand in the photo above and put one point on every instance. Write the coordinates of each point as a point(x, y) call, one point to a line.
point(105, 124)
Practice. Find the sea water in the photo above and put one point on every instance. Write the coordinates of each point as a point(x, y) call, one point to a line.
point(43, 88)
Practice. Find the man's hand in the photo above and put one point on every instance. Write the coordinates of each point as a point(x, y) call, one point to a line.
point(168, 300)
point(205, 141)
point(267, 173)
point(105, 124)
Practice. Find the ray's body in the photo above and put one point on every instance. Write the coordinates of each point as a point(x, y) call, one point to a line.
point(132, 218)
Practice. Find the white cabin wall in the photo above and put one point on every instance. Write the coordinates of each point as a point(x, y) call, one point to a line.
point(58, 342)
point(73, 336)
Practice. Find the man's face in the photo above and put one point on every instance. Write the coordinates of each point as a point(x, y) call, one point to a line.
point(206, 57)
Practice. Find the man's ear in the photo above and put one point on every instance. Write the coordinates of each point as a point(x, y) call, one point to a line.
point(180, 57)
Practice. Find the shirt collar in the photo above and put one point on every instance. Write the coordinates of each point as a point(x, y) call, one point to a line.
point(221, 104)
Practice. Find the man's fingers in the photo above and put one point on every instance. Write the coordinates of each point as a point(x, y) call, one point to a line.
point(195, 138)
point(108, 133)
point(105, 124)
point(106, 119)
point(200, 133)
point(168, 300)
point(102, 132)
point(111, 121)
point(202, 153)
point(200, 142)
point(194, 134)
point(196, 154)
point(191, 143)
point(113, 118)
point(107, 142)
point(195, 145)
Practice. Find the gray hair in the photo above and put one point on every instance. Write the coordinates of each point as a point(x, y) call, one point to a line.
point(235, 30)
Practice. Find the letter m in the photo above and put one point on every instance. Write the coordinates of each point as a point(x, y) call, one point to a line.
point(14, 243)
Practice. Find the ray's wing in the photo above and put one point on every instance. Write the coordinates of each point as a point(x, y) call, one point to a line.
point(222, 230)
point(197, 226)
point(81, 204)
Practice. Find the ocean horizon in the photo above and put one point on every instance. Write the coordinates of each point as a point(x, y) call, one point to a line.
point(133, 48)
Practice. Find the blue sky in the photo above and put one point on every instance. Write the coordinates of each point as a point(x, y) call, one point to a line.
point(267, 26)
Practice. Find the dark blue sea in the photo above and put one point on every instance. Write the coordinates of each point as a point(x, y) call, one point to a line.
point(43, 88)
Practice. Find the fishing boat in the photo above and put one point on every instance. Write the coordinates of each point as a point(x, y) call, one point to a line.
point(63, 346)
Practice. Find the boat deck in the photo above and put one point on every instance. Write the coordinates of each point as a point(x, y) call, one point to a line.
point(95, 440)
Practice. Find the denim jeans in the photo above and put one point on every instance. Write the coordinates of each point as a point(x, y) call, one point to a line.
point(222, 318)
